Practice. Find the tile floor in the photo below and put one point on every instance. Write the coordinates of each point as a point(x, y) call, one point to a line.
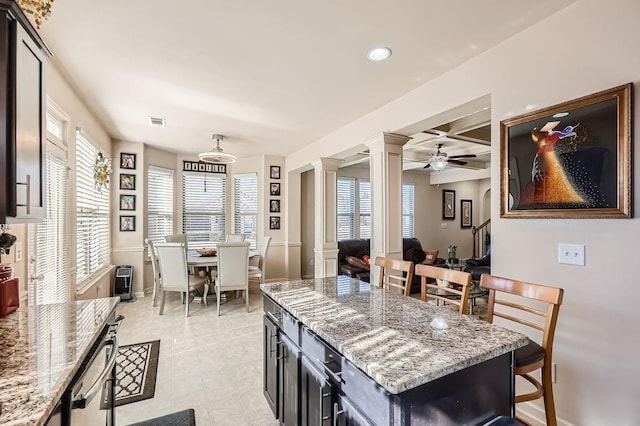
point(209, 363)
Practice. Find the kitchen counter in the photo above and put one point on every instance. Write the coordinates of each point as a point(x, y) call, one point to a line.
point(387, 335)
point(41, 348)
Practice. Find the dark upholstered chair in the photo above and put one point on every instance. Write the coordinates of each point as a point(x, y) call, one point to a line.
point(477, 267)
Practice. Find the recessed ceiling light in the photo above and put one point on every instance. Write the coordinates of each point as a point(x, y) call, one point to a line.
point(157, 122)
point(560, 115)
point(379, 54)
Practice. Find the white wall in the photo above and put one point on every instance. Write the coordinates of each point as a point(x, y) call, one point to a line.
point(585, 48)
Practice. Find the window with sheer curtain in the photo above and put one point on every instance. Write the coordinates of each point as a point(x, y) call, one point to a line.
point(407, 210)
point(204, 208)
point(245, 191)
point(92, 214)
point(159, 203)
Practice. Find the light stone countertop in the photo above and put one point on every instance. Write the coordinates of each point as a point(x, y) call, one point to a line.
point(386, 334)
point(41, 349)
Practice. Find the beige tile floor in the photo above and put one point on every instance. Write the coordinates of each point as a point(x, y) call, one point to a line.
point(209, 363)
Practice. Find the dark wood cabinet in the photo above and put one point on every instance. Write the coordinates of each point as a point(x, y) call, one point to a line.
point(316, 395)
point(289, 365)
point(270, 367)
point(22, 117)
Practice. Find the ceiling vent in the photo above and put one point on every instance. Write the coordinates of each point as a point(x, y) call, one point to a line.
point(157, 122)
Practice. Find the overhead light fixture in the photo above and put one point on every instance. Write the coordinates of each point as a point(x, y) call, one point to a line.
point(438, 161)
point(379, 54)
point(216, 155)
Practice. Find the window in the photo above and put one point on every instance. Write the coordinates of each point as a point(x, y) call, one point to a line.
point(48, 240)
point(159, 204)
point(346, 199)
point(92, 214)
point(246, 206)
point(204, 205)
point(364, 201)
point(407, 211)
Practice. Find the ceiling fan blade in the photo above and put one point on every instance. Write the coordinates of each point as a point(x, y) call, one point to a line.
point(461, 163)
point(463, 156)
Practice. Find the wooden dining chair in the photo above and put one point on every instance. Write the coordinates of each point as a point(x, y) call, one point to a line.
point(174, 274)
point(446, 293)
point(156, 270)
point(389, 278)
point(533, 356)
point(233, 269)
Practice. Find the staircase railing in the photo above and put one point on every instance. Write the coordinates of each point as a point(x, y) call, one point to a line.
point(481, 238)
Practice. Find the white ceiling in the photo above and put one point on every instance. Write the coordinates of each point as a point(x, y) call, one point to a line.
point(272, 76)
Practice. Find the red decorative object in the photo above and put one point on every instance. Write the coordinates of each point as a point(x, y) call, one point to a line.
point(365, 259)
point(9, 295)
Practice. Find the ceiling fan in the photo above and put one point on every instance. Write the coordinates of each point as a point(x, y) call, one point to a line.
point(439, 160)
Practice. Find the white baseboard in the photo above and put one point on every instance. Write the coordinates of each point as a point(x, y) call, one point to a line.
point(139, 293)
point(535, 415)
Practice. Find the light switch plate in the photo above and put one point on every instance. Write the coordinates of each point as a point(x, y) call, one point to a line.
point(19, 251)
point(444, 225)
point(571, 254)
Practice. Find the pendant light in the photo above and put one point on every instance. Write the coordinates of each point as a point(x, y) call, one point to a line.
point(216, 155)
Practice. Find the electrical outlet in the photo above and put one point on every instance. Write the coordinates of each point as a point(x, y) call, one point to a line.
point(571, 254)
point(554, 377)
point(444, 225)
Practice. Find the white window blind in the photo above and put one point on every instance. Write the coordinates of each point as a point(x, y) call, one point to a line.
point(204, 206)
point(364, 199)
point(346, 202)
point(49, 239)
point(407, 211)
point(159, 203)
point(92, 213)
point(245, 188)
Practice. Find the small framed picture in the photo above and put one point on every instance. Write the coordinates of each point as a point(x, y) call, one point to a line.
point(127, 161)
point(186, 165)
point(274, 222)
point(275, 189)
point(466, 212)
point(127, 181)
point(127, 202)
point(448, 204)
point(275, 172)
point(127, 223)
point(274, 206)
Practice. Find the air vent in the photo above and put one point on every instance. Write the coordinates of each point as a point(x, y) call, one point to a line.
point(157, 122)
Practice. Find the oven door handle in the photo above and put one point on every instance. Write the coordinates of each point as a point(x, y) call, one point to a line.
point(84, 399)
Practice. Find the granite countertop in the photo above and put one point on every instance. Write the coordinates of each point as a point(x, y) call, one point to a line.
point(41, 348)
point(386, 334)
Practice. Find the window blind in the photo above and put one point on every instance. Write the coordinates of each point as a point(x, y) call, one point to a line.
point(364, 194)
point(407, 210)
point(346, 201)
point(48, 240)
point(245, 191)
point(204, 207)
point(92, 214)
point(159, 203)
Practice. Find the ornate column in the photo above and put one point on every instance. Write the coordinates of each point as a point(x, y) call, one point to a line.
point(326, 244)
point(385, 151)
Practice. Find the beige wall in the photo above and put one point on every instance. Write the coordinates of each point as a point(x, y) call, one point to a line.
point(585, 48)
point(307, 220)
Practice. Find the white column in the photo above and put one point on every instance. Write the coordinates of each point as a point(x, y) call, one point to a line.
point(326, 244)
point(385, 151)
point(292, 233)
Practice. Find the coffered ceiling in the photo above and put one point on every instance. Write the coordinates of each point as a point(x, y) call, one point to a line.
point(270, 76)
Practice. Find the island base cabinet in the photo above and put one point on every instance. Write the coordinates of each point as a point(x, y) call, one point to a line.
point(270, 366)
point(316, 396)
point(289, 366)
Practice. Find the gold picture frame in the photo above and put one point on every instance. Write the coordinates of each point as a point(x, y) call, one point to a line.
point(571, 160)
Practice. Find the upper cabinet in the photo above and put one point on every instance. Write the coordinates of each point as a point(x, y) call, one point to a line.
point(22, 117)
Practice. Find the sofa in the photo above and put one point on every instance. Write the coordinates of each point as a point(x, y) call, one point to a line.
point(360, 247)
point(477, 267)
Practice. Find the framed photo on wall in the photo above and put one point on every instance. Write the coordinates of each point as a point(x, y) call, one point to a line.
point(569, 160)
point(448, 204)
point(466, 213)
point(275, 189)
point(127, 161)
point(127, 202)
point(275, 172)
point(127, 223)
point(127, 181)
point(274, 222)
point(274, 206)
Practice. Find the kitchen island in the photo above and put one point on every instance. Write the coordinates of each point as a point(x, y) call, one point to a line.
point(41, 349)
point(341, 350)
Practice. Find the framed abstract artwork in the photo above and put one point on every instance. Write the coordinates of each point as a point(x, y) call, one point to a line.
point(569, 160)
point(466, 213)
point(448, 204)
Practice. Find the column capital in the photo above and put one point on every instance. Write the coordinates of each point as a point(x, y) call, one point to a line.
point(377, 143)
point(324, 163)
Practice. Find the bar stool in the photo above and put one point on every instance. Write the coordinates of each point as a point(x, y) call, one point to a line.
point(445, 293)
point(387, 278)
point(533, 356)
